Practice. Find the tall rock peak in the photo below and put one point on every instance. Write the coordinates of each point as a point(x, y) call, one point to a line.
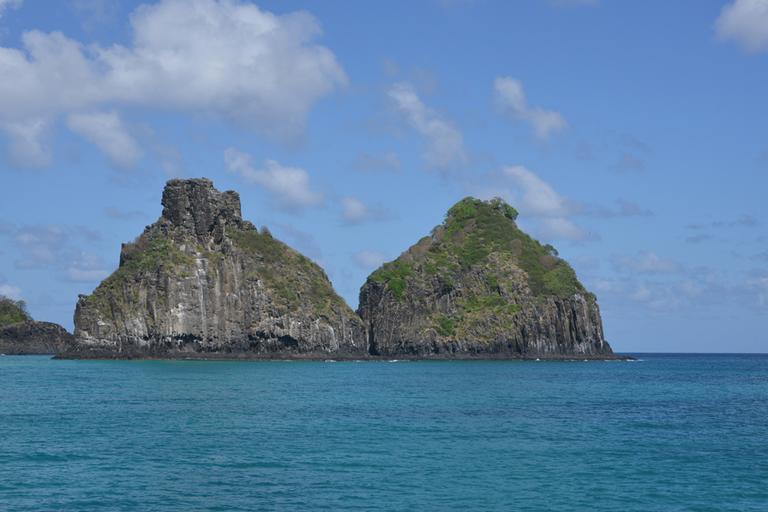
point(195, 205)
point(201, 281)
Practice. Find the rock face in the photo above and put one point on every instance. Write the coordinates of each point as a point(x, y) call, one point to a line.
point(20, 335)
point(480, 287)
point(202, 281)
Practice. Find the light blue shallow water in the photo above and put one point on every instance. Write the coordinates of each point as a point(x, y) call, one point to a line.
point(666, 433)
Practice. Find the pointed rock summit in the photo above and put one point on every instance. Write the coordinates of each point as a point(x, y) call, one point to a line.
point(201, 281)
point(480, 287)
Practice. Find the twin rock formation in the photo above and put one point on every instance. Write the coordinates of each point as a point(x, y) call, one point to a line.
point(203, 282)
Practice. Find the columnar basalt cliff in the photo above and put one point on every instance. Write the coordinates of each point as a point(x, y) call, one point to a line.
point(201, 281)
point(480, 287)
point(21, 335)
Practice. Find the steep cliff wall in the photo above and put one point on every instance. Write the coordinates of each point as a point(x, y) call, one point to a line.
point(479, 286)
point(201, 280)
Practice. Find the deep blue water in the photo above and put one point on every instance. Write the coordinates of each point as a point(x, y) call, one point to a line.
point(665, 433)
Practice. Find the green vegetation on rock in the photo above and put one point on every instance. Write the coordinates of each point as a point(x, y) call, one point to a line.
point(148, 254)
point(292, 276)
point(472, 231)
point(395, 275)
point(12, 311)
point(444, 325)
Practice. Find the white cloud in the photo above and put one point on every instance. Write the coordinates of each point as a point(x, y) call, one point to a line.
point(289, 186)
point(243, 64)
point(561, 228)
point(538, 202)
point(353, 210)
point(746, 22)
point(107, 132)
point(10, 291)
point(26, 143)
point(533, 195)
point(368, 260)
point(445, 148)
point(511, 98)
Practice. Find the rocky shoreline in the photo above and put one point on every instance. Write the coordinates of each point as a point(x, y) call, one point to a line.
point(245, 356)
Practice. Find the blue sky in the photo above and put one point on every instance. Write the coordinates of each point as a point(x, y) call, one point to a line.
point(631, 135)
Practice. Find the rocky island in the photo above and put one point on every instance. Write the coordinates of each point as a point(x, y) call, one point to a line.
point(21, 335)
point(478, 286)
point(201, 281)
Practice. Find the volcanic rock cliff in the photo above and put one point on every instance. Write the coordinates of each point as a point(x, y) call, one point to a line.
point(480, 287)
point(202, 281)
point(21, 335)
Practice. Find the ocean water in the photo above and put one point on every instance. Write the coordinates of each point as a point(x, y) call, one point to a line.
point(666, 433)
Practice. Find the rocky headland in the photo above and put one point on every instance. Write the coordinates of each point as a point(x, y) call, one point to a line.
point(21, 335)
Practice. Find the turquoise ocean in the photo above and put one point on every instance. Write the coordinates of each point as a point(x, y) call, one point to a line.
point(664, 433)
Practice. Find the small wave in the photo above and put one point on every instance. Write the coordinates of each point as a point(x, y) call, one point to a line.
point(330, 360)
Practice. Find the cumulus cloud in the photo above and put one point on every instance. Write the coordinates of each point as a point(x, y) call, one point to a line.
point(510, 97)
point(746, 23)
point(538, 202)
point(107, 132)
point(289, 186)
point(534, 195)
point(536, 198)
point(354, 211)
point(445, 143)
point(244, 64)
point(368, 260)
point(561, 228)
point(27, 141)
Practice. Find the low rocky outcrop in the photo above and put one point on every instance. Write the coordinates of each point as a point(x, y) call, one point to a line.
point(203, 282)
point(480, 287)
point(21, 335)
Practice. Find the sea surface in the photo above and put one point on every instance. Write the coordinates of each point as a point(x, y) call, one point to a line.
point(665, 433)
